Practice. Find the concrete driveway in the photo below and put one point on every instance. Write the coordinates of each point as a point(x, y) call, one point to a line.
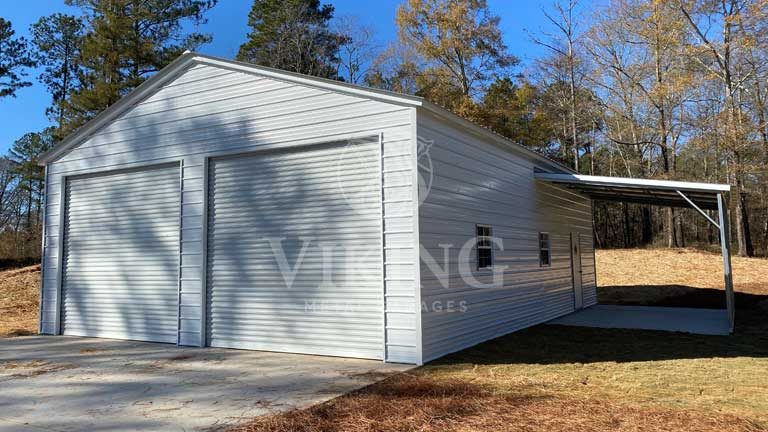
point(74, 384)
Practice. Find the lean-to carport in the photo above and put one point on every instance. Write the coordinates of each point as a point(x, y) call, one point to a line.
point(699, 196)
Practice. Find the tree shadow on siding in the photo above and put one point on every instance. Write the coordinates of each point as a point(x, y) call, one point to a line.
point(122, 249)
point(169, 128)
point(255, 198)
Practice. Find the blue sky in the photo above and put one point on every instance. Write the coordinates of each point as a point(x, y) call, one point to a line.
point(227, 24)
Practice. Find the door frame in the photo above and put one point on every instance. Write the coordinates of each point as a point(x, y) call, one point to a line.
point(62, 229)
point(365, 138)
point(576, 273)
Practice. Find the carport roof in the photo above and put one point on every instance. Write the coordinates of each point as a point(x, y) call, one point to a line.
point(655, 192)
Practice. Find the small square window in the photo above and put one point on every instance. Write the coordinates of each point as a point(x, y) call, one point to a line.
point(545, 252)
point(484, 247)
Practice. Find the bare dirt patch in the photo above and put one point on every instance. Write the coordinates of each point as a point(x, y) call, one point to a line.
point(29, 369)
point(19, 298)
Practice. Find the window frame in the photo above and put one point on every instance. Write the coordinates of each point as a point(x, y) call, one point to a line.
point(547, 249)
point(488, 247)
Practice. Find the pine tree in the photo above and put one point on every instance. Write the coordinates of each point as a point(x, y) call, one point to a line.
point(292, 35)
point(14, 58)
point(513, 111)
point(24, 155)
point(128, 40)
point(58, 40)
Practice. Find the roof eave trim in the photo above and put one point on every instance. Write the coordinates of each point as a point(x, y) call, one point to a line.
point(117, 108)
point(317, 82)
point(633, 182)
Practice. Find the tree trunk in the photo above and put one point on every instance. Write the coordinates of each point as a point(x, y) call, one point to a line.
point(647, 227)
point(572, 85)
point(669, 226)
point(627, 234)
point(742, 222)
point(680, 233)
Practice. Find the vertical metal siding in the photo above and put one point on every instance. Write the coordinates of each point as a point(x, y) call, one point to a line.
point(475, 182)
point(209, 111)
point(120, 264)
point(191, 287)
point(326, 195)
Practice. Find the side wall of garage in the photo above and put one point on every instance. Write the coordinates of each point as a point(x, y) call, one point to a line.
point(209, 111)
point(468, 181)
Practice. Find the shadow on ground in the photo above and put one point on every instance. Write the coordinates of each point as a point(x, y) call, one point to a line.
point(549, 377)
point(19, 332)
point(562, 344)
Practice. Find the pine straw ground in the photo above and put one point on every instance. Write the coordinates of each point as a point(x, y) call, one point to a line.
point(553, 378)
point(556, 378)
point(19, 297)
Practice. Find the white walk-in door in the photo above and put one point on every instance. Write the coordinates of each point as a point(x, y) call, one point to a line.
point(121, 255)
point(578, 293)
point(295, 251)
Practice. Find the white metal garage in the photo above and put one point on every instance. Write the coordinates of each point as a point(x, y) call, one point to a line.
point(232, 205)
point(121, 255)
point(294, 251)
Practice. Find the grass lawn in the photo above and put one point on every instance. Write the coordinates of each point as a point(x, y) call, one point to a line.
point(557, 378)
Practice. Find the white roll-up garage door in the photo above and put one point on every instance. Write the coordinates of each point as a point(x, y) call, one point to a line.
point(295, 251)
point(121, 258)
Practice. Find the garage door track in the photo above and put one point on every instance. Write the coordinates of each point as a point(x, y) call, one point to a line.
point(74, 384)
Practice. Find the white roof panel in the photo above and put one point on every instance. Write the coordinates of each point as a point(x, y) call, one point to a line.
point(642, 191)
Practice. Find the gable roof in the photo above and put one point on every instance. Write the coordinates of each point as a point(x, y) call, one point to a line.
point(188, 59)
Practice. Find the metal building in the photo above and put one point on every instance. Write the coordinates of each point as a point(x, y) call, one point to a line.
point(231, 205)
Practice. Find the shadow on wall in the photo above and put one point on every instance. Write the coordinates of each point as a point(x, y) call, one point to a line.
point(550, 344)
point(167, 129)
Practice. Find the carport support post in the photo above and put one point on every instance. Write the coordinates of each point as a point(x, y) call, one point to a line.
point(725, 246)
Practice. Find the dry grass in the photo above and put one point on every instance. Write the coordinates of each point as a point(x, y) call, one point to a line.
point(19, 298)
point(556, 378)
point(687, 267)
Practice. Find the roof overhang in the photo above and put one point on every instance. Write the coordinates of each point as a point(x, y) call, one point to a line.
point(189, 59)
point(654, 192)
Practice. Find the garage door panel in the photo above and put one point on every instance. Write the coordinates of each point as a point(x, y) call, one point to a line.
point(121, 255)
point(320, 301)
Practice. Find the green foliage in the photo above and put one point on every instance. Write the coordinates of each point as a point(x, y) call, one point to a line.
point(515, 112)
point(14, 57)
point(126, 42)
point(25, 153)
point(292, 35)
point(58, 41)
